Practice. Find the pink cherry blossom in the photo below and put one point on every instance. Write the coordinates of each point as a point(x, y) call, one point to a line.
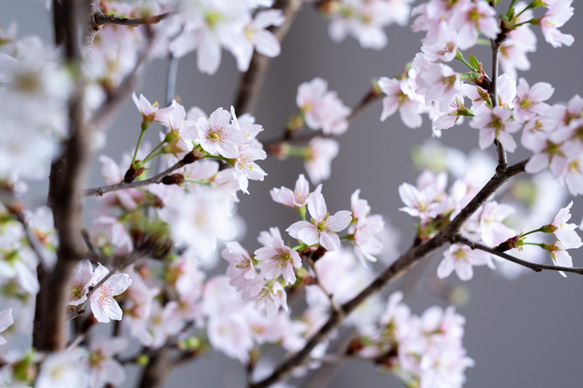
point(256, 35)
point(297, 198)
point(473, 18)
point(401, 95)
point(558, 13)
point(245, 167)
point(528, 100)
point(322, 109)
point(462, 259)
point(496, 124)
point(105, 369)
point(323, 227)
point(216, 135)
point(241, 268)
point(320, 152)
point(492, 230)
point(276, 259)
point(563, 231)
point(103, 305)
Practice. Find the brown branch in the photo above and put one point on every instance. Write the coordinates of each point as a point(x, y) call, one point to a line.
point(494, 251)
point(252, 81)
point(99, 191)
point(398, 268)
point(67, 177)
point(100, 19)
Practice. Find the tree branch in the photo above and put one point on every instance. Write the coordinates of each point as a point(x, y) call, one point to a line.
point(398, 268)
point(68, 175)
point(494, 251)
point(99, 191)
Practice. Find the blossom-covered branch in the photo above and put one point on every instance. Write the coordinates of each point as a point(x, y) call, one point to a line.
point(402, 264)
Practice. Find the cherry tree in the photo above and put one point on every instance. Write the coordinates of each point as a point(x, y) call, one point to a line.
point(156, 272)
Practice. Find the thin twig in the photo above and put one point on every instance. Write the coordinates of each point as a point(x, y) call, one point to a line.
point(534, 266)
point(99, 191)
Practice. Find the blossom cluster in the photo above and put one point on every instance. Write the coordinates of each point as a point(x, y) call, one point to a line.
point(424, 351)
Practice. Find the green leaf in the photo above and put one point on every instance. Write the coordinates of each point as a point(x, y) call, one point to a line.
point(474, 62)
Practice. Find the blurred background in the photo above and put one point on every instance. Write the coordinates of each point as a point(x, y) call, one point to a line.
point(525, 332)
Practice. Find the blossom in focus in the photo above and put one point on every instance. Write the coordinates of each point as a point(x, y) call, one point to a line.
point(276, 258)
point(297, 198)
point(103, 305)
point(496, 124)
point(323, 227)
point(563, 231)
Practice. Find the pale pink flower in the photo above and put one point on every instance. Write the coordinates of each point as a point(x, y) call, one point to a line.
point(558, 13)
point(272, 298)
point(323, 227)
point(63, 369)
point(528, 100)
point(231, 335)
point(322, 109)
point(462, 259)
point(492, 230)
point(574, 176)
point(276, 259)
point(103, 366)
point(83, 279)
point(549, 151)
point(256, 35)
point(401, 95)
point(103, 305)
point(496, 124)
point(563, 231)
point(216, 135)
point(473, 18)
point(437, 82)
point(320, 153)
point(245, 167)
point(147, 109)
point(443, 46)
point(241, 268)
point(6, 320)
point(297, 198)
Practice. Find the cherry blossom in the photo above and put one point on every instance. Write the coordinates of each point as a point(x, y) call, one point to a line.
point(558, 13)
point(563, 231)
point(322, 109)
point(103, 305)
point(102, 364)
point(496, 124)
point(323, 227)
point(63, 369)
point(528, 100)
point(297, 198)
point(462, 259)
point(276, 258)
point(320, 153)
point(401, 95)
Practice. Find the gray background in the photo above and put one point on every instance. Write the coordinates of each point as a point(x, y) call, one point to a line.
point(524, 333)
